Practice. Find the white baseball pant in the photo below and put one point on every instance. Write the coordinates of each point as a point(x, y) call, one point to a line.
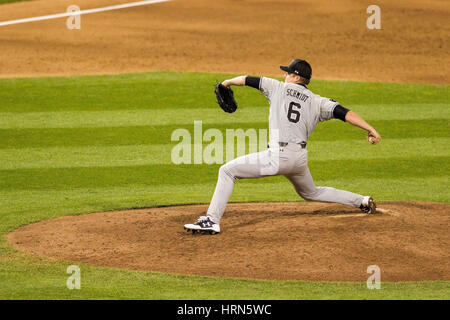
point(290, 161)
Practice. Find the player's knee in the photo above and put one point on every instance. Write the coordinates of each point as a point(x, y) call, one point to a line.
point(310, 196)
point(307, 197)
point(225, 171)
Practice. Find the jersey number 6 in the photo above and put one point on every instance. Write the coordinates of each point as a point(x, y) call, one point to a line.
point(294, 114)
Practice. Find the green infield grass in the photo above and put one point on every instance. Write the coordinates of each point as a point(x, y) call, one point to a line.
point(84, 144)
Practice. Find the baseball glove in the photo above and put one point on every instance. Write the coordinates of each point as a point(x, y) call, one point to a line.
point(225, 98)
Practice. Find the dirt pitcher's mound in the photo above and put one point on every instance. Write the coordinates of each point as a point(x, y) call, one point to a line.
point(301, 241)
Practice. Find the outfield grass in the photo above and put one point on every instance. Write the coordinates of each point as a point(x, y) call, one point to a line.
point(9, 1)
point(84, 144)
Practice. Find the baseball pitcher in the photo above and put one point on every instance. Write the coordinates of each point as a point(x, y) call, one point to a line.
point(294, 113)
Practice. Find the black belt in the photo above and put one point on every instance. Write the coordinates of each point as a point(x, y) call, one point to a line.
point(284, 144)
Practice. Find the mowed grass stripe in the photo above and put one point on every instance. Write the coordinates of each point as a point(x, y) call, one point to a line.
point(132, 135)
point(91, 156)
point(388, 148)
point(108, 156)
point(155, 90)
point(184, 90)
point(121, 118)
point(153, 175)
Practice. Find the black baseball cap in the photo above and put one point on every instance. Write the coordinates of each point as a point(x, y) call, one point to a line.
point(299, 67)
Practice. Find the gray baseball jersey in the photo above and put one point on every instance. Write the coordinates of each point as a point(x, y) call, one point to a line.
point(294, 110)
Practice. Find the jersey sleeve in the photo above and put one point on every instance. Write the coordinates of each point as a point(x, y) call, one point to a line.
point(268, 86)
point(340, 112)
point(326, 108)
point(253, 82)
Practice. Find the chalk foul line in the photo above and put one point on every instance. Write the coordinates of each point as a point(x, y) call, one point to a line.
point(76, 13)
